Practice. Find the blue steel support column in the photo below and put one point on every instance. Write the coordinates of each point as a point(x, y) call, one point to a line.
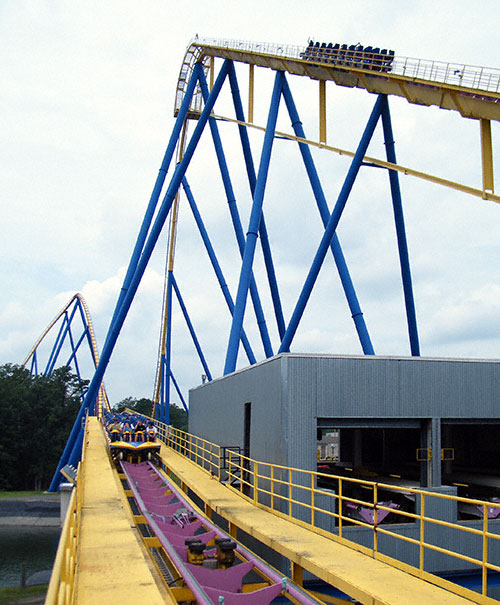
point(57, 344)
point(168, 351)
point(216, 266)
point(67, 330)
point(75, 350)
point(264, 239)
point(255, 216)
point(34, 364)
point(160, 179)
point(76, 452)
point(336, 248)
point(400, 230)
point(238, 229)
point(122, 309)
point(70, 443)
point(153, 237)
point(331, 227)
point(179, 393)
point(191, 329)
point(159, 407)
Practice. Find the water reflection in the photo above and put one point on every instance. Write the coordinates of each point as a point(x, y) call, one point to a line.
point(35, 546)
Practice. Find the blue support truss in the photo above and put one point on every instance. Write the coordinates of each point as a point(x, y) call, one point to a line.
point(72, 320)
point(157, 213)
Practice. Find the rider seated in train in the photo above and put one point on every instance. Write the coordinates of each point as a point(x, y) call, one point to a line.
point(114, 431)
point(139, 431)
point(127, 431)
point(151, 431)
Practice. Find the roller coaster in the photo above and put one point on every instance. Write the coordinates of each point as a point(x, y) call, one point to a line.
point(182, 569)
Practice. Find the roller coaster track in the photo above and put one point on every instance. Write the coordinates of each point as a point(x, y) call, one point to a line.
point(472, 91)
point(65, 316)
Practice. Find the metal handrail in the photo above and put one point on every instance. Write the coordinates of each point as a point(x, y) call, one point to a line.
point(286, 490)
point(474, 77)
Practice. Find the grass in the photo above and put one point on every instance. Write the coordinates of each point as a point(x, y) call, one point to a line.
point(7, 494)
point(17, 594)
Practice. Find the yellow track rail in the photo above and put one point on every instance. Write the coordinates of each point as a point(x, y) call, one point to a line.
point(471, 90)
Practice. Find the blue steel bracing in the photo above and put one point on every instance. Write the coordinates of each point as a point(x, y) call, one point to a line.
point(215, 264)
point(76, 452)
point(158, 408)
point(129, 290)
point(74, 350)
point(34, 364)
point(331, 226)
point(336, 248)
point(251, 241)
point(238, 229)
point(70, 443)
point(179, 392)
point(165, 417)
point(56, 344)
point(264, 239)
point(67, 330)
point(196, 342)
point(155, 195)
point(400, 230)
point(154, 233)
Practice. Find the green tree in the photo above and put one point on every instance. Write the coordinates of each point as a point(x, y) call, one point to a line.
point(37, 414)
point(178, 416)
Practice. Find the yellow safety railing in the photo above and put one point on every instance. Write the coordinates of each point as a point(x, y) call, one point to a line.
point(61, 585)
point(204, 453)
point(294, 493)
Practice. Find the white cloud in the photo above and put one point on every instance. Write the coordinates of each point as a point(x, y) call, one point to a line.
point(87, 100)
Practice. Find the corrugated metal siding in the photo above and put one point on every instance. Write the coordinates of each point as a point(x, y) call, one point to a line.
point(300, 405)
point(217, 410)
point(370, 386)
point(289, 392)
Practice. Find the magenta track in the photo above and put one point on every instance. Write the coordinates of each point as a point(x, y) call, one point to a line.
point(173, 520)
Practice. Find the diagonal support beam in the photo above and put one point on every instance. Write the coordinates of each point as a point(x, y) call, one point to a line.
point(331, 227)
point(397, 204)
point(253, 227)
point(336, 248)
point(216, 266)
point(158, 186)
point(126, 299)
point(238, 229)
point(189, 324)
point(264, 239)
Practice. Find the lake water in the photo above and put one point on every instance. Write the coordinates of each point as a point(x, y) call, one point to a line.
point(34, 546)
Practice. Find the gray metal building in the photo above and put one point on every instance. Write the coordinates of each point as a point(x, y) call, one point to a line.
point(433, 422)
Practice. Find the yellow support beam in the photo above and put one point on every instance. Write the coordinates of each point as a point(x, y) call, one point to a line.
point(322, 111)
point(212, 72)
point(485, 195)
point(297, 573)
point(487, 155)
point(250, 92)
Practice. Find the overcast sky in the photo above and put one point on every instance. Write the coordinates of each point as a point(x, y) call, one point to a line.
point(86, 107)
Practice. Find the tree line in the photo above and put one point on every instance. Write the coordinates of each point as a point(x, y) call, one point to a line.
point(36, 417)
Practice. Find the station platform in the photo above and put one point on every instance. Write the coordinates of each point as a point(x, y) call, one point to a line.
point(358, 575)
point(112, 565)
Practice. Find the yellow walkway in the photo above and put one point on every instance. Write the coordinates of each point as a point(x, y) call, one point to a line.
point(360, 576)
point(111, 563)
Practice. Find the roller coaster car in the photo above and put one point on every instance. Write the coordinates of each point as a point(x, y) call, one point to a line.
point(134, 451)
point(354, 55)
